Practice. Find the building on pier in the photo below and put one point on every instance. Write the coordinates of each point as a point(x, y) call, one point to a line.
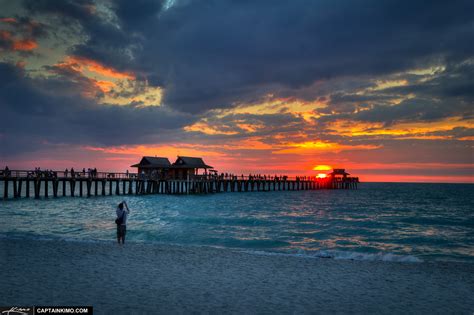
point(153, 167)
point(338, 174)
point(186, 167)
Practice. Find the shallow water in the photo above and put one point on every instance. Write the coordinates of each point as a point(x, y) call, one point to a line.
point(380, 221)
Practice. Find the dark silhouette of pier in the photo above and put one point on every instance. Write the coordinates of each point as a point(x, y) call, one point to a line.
point(46, 184)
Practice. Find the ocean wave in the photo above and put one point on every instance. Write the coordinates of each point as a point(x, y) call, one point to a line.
point(349, 255)
point(346, 255)
point(251, 247)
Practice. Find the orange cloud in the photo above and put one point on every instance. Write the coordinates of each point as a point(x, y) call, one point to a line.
point(18, 44)
point(24, 44)
point(249, 127)
point(221, 129)
point(386, 84)
point(310, 147)
point(401, 130)
point(105, 86)
point(116, 91)
point(271, 105)
point(253, 143)
point(83, 65)
point(207, 129)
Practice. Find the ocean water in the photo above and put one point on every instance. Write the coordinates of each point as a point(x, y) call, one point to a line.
point(379, 221)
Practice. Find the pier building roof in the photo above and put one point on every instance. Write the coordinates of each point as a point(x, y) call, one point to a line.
point(153, 162)
point(338, 171)
point(189, 162)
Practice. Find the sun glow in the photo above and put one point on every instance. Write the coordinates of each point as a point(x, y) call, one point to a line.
point(322, 168)
point(322, 175)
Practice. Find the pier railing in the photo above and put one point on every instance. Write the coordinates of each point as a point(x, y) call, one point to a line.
point(50, 174)
point(39, 183)
point(63, 174)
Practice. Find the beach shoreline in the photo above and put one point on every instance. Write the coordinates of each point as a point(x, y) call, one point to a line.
point(159, 278)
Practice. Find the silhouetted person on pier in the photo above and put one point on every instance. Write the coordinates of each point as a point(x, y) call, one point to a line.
point(65, 172)
point(7, 171)
point(121, 221)
point(72, 172)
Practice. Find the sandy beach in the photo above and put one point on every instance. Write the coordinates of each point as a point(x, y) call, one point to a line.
point(142, 278)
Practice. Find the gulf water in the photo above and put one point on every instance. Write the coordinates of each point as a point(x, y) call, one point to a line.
point(379, 221)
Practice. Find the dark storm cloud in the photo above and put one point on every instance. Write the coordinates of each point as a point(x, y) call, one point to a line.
point(213, 54)
point(458, 132)
point(449, 94)
point(139, 14)
point(67, 82)
point(456, 82)
point(414, 110)
point(259, 125)
point(24, 26)
point(106, 42)
point(223, 53)
point(37, 116)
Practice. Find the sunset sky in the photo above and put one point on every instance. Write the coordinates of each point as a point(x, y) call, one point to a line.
point(384, 89)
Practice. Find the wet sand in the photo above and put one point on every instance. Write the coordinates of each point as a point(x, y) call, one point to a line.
point(148, 279)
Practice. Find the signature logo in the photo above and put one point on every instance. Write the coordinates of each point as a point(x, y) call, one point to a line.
point(17, 310)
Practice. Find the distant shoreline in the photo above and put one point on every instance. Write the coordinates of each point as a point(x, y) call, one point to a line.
point(166, 278)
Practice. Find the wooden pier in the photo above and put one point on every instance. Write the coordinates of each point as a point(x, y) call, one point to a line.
point(53, 184)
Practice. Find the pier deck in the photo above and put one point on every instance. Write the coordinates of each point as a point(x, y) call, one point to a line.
point(33, 184)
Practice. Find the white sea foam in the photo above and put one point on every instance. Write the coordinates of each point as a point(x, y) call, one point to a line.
point(349, 255)
point(346, 255)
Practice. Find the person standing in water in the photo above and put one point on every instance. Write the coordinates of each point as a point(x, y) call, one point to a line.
point(121, 221)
